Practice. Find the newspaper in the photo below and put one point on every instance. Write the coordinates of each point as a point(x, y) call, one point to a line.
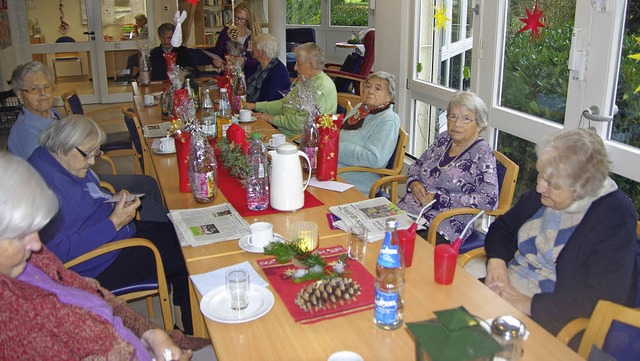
point(200, 226)
point(370, 214)
point(156, 130)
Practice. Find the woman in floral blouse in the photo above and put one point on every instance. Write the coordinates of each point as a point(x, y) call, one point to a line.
point(457, 170)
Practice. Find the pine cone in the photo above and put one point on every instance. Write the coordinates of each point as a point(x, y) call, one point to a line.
point(326, 294)
point(233, 31)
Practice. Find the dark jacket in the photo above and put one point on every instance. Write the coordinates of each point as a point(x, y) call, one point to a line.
point(597, 262)
point(158, 65)
point(274, 84)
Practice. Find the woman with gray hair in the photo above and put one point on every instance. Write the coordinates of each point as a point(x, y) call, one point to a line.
point(270, 81)
point(457, 170)
point(283, 113)
point(86, 220)
point(50, 310)
point(369, 132)
point(568, 243)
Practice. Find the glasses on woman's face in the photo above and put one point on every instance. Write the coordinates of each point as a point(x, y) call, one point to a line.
point(95, 154)
point(38, 90)
point(240, 19)
point(464, 119)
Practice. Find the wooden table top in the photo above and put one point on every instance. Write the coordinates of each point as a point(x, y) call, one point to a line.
point(275, 336)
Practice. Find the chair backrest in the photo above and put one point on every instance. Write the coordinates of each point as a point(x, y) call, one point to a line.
point(65, 39)
point(300, 35)
point(135, 132)
point(507, 178)
point(350, 65)
point(397, 158)
point(613, 328)
point(344, 105)
point(71, 101)
point(369, 42)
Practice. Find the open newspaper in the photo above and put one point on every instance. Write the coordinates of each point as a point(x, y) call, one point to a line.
point(370, 214)
point(156, 130)
point(200, 226)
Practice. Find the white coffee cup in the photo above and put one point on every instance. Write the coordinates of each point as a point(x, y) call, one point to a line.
point(277, 139)
point(167, 144)
point(149, 99)
point(245, 115)
point(261, 234)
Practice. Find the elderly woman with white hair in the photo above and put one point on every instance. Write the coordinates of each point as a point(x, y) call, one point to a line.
point(457, 170)
point(283, 113)
point(49, 311)
point(85, 221)
point(271, 80)
point(369, 133)
point(568, 243)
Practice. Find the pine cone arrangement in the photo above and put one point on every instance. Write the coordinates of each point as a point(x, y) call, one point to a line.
point(233, 31)
point(326, 294)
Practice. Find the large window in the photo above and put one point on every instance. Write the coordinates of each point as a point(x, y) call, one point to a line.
point(352, 13)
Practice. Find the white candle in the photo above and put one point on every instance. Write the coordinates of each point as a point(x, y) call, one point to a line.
point(233, 15)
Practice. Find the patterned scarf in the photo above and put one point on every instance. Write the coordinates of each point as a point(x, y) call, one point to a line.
point(355, 121)
point(255, 81)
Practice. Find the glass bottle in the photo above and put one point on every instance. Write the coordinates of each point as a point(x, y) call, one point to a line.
point(309, 139)
point(203, 169)
point(257, 181)
point(209, 127)
point(388, 309)
point(239, 90)
point(145, 70)
point(223, 119)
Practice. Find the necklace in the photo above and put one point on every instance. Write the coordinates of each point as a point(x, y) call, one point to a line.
point(446, 152)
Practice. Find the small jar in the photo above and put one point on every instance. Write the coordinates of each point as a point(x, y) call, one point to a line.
point(510, 333)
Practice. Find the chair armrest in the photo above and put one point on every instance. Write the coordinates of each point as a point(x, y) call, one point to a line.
point(464, 258)
point(571, 329)
point(113, 246)
point(385, 180)
point(435, 223)
point(107, 186)
point(111, 163)
point(345, 75)
point(381, 171)
point(333, 65)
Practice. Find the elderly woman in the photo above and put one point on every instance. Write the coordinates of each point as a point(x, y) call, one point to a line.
point(284, 113)
point(240, 35)
point(140, 28)
point(569, 242)
point(271, 80)
point(457, 170)
point(370, 131)
point(75, 318)
point(85, 221)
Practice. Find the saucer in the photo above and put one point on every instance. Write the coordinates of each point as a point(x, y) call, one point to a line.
point(243, 243)
point(253, 119)
point(215, 305)
point(152, 104)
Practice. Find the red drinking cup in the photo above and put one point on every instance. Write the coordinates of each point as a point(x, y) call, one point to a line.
point(407, 243)
point(444, 263)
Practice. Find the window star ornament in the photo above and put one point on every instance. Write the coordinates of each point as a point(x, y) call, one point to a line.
point(532, 22)
point(441, 17)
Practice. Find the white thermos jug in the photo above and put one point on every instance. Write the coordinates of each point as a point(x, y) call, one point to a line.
point(287, 188)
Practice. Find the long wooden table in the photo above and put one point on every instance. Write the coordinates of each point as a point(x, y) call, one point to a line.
point(276, 336)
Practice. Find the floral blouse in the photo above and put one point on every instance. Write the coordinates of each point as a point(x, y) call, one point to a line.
point(469, 180)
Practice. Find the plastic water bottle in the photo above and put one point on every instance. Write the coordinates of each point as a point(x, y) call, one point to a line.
point(257, 181)
point(388, 311)
point(224, 114)
point(208, 117)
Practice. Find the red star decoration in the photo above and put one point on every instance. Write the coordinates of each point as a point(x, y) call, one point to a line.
point(193, 2)
point(532, 22)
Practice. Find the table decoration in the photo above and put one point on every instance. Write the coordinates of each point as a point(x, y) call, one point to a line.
point(329, 129)
point(354, 282)
point(232, 158)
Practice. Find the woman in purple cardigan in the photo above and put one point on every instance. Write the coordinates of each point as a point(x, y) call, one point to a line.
point(457, 170)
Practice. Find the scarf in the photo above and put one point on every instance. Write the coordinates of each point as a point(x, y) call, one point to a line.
point(356, 120)
point(255, 81)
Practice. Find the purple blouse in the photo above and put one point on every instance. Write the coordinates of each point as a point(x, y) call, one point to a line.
point(468, 180)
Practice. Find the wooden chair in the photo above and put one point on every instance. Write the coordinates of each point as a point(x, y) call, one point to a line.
point(507, 177)
point(142, 156)
point(612, 327)
point(393, 168)
point(348, 101)
point(354, 80)
point(118, 143)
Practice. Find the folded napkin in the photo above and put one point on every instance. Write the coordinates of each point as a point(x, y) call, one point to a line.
point(206, 282)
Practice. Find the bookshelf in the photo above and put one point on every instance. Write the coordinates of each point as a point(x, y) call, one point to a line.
point(210, 17)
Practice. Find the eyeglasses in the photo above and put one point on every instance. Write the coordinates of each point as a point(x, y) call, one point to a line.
point(240, 19)
point(37, 90)
point(97, 154)
point(465, 120)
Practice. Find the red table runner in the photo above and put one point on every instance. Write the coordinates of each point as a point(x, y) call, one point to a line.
point(287, 290)
point(236, 194)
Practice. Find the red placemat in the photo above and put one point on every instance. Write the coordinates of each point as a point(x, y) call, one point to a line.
point(236, 194)
point(287, 290)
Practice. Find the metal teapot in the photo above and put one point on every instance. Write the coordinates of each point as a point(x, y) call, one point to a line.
point(285, 181)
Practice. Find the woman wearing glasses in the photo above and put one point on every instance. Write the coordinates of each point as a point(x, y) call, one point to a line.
point(457, 170)
point(246, 26)
point(85, 220)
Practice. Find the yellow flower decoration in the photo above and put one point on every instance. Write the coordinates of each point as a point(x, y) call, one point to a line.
point(441, 17)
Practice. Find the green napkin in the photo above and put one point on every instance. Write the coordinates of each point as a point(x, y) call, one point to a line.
point(453, 336)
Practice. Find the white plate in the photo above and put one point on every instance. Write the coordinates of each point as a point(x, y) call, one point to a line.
point(243, 243)
point(253, 119)
point(215, 305)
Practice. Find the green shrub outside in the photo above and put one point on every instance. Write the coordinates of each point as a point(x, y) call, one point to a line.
point(343, 12)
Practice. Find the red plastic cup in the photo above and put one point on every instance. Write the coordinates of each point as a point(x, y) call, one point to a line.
point(444, 263)
point(407, 243)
